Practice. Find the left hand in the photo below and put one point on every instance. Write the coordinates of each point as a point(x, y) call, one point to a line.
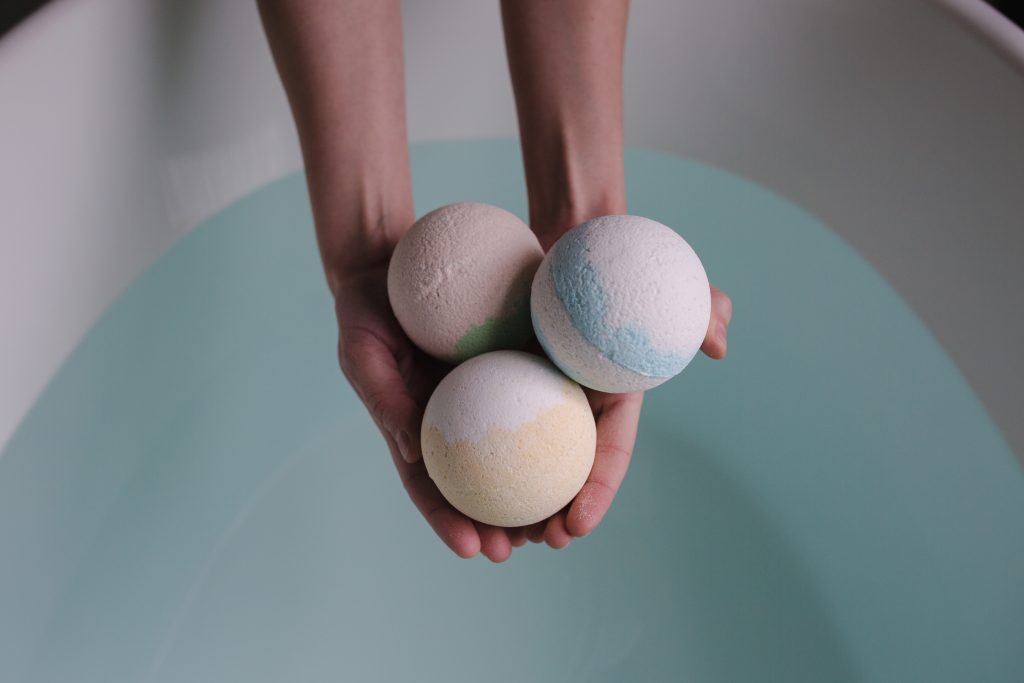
point(617, 417)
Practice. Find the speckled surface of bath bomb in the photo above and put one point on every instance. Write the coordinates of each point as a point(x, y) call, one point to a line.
point(459, 281)
point(508, 439)
point(621, 303)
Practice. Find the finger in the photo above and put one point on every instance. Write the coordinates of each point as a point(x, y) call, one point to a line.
point(555, 534)
point(517, 536)
point(535, 532)
point(714, 345)
point(618, 416)
point(454, 528)
point(373, 369)
point(494, 543)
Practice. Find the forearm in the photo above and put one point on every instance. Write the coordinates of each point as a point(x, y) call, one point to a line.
point(341, 65)
point(565, 59)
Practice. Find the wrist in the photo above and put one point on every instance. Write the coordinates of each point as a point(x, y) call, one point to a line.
point(572, 178)
point(551, 220)
point(359, 218)
point(354, 243)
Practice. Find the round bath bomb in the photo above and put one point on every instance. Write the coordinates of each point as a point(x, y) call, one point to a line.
point(508, 439)
point(621, 303)
point(459, 281)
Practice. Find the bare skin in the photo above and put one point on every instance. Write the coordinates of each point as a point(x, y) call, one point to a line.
point(341, 65)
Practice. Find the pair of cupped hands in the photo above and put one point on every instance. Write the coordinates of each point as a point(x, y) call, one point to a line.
point(394, 379)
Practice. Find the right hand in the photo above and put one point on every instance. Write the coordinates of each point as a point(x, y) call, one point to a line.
point(394, 379)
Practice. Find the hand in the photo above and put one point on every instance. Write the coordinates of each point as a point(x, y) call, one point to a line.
point(617, 417)
point(395, 379)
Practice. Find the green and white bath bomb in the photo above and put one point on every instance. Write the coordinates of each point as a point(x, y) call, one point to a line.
point(459, 281)
point(621, 303)
point(508, 439)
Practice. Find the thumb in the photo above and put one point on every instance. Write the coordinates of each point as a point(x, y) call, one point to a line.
point(715, 343)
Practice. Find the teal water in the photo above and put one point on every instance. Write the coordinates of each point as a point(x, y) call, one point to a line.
point(198, 496)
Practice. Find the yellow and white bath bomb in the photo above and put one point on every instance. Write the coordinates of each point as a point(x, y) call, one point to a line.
point(459, 281)
point(508, 439)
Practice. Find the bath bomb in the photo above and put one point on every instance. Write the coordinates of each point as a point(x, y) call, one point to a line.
point(459, 281)
point(508, 439)
point(621, 303)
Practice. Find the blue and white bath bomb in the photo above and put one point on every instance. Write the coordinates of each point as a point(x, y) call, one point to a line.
point(459, 281)
point(508, 439)
point(621, 303)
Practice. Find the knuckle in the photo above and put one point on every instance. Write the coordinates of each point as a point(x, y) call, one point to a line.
point(351, 342)
point(377, 405)
point(353, 346)
point(608, 450)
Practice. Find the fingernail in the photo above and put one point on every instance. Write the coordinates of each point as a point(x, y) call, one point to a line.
point(404, 446)
point(722, 332)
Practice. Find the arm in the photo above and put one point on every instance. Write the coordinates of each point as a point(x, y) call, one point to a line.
point(565, 59)
point(341, 65)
